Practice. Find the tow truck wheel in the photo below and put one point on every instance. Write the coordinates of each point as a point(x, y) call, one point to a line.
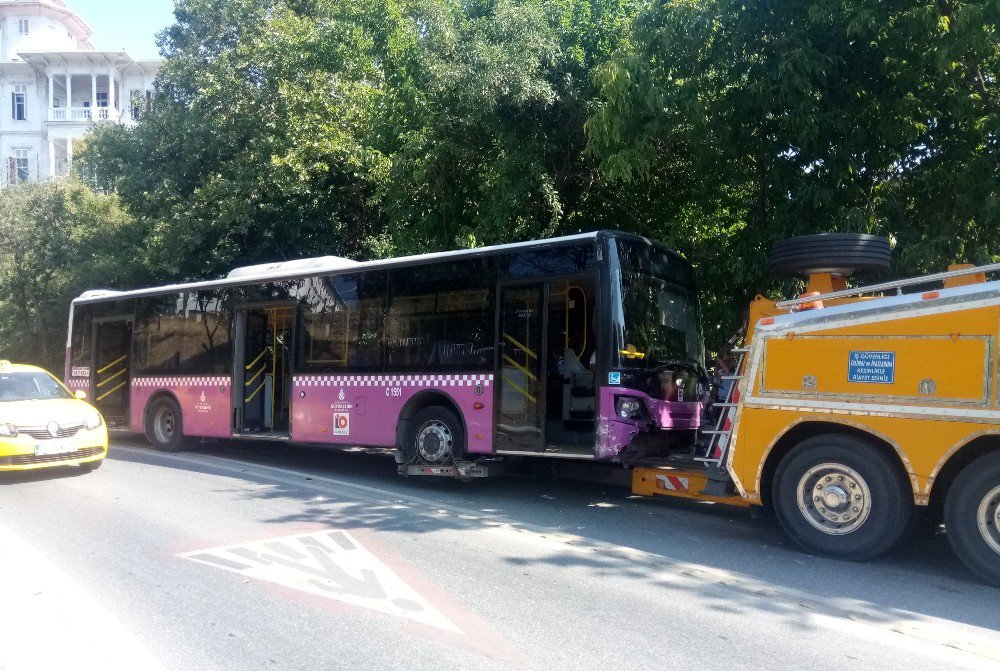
point(436, 436)
point(840, 497)
point(164, 425)
point(972, 517)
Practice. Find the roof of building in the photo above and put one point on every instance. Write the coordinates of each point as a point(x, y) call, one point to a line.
point(55, 8)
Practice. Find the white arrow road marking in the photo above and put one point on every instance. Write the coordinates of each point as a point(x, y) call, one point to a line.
point(330, 564)
point(47, 621)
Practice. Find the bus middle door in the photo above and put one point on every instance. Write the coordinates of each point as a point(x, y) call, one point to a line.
point(521, 386)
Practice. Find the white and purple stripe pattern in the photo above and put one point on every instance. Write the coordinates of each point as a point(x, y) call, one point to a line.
point(78, 383)
point(181, 381)
point(393, 380)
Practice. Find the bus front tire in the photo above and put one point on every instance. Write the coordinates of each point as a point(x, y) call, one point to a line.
point(435, 436)
point(972, 517)
point(838, 496)
point(165, 426)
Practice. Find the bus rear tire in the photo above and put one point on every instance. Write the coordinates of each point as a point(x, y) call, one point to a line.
point(972, 517)
point(165, 425)
point(435, 436)
point(838, 496)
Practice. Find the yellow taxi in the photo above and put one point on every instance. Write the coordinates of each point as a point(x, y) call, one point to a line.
point(43, 424)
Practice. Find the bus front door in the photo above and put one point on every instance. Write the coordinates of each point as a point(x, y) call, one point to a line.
point(263, 366)
point(521, 386)
point(111, 370)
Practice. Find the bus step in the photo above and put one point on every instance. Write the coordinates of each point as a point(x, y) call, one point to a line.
point(463, 470)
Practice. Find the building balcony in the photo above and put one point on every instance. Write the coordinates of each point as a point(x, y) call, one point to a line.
point(83, 114)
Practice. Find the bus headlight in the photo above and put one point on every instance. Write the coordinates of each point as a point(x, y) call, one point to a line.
point(628, 407)
point(93, 421)
point(8, 430)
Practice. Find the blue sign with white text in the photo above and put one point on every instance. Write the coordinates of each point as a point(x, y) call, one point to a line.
point(874, 367)
point(614, 378)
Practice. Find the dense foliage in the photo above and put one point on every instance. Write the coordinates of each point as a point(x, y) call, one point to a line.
point(285, 128)
point(59, 239)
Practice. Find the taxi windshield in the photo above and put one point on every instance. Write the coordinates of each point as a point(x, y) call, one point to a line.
point(30, 386)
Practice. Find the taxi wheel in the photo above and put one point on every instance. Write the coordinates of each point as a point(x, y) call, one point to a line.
point(972, 517)
point(838, 496)
point(165, 425)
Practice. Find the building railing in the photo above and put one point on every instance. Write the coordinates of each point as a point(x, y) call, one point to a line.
point(83, 114)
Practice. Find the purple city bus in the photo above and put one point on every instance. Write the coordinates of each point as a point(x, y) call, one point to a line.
point(586, 346)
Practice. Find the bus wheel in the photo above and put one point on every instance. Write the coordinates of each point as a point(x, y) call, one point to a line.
point(436, 436)
point(164, 425)
point(972, 517)
point(838, 496)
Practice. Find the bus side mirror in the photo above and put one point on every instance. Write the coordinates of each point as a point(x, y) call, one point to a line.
point(80, 394)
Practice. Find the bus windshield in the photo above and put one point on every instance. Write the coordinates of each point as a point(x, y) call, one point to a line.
point(658, 320)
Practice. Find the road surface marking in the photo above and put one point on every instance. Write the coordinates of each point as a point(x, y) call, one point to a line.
point(939, 632)
point(330, 564)
point(49, 622)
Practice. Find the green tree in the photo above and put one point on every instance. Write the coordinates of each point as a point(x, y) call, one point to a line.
point(251, 151)
point(60, 239)
point(772, 119)
point(284, 128)
point(485, 111)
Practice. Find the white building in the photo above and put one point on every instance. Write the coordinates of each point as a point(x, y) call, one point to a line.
point(54, 86)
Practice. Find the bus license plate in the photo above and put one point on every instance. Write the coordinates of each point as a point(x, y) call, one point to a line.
point(54, 447)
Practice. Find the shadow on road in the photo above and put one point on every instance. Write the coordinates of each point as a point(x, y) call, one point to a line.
point(921, 575)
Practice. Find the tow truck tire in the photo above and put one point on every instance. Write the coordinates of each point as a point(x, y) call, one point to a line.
point(839, 496)
point(972, 517)
point(164, 426)
point(435, 436)
point(837, 253)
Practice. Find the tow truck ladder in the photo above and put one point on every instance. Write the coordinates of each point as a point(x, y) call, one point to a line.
point(719, 437)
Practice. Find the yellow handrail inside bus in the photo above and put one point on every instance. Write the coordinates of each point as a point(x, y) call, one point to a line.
point(520, 346)
point(113, 363)
point(111, 391)
point(256, 391)
point(255, 361)
point(118, 374)
point(521, 368)
point(518, 388)
point(255, 376)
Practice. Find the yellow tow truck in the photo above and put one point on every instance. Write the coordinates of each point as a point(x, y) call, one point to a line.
point(852, 408)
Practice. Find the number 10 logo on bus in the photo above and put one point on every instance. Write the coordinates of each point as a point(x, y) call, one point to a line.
point(341, 424)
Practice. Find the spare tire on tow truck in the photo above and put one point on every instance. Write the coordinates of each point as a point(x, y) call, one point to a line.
point(836, 253)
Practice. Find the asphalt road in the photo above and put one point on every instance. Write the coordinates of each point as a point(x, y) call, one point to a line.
point(261, 556)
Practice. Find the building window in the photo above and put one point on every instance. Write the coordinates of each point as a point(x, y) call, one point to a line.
point(141, 102)
point(23, 27)
point(102, 98)
point(18, 111)
point(19, 165)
